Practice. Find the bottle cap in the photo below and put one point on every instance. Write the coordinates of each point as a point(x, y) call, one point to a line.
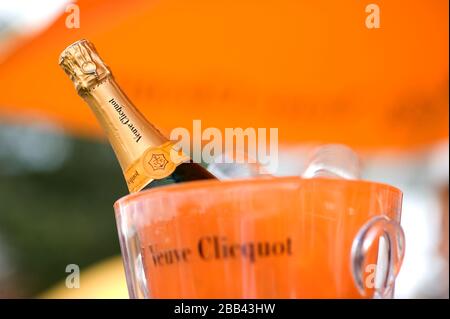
point(83, 65)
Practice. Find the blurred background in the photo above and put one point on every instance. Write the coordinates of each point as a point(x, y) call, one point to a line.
point(314, 70)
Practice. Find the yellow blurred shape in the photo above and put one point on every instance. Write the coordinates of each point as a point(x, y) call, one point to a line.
point(103, 280)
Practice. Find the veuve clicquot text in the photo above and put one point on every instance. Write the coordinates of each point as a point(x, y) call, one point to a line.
point(147, 158)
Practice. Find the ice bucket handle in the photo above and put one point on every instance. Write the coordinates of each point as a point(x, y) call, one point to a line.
point(376, 229)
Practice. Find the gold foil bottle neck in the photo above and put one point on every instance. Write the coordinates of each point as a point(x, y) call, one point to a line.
point(83, 65)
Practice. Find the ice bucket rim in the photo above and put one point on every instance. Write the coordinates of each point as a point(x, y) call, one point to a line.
point(208, 184)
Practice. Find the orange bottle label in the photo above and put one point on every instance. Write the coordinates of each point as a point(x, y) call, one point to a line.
point(155, 163)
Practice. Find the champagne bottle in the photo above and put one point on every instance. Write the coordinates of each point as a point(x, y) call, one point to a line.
point(147, 158)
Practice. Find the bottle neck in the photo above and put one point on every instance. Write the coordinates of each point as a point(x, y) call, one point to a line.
point(143, 152)
point(129, 133)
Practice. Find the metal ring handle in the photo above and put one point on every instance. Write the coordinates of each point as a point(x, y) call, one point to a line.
point(378, 227)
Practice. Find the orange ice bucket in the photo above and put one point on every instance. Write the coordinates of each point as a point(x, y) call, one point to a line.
point(262, 238)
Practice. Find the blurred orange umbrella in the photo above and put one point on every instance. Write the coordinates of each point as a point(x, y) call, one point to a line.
point(312, 69)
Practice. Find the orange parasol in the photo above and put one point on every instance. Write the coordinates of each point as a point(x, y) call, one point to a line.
point(312, 69)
